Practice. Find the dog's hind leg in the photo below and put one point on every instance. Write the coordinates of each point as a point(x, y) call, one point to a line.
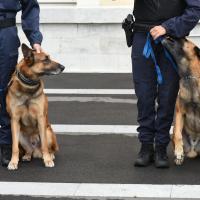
point(37, 153)
point(27, 157)
point(186, 142)
point(177, 136)
point(26, 145)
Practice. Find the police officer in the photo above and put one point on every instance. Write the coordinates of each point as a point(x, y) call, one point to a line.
point(159, 17)
point(9, 43)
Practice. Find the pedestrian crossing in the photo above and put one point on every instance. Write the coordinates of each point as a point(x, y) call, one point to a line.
point(95, 118)
point(83, 190)
point(81, 129)
point(91, 91)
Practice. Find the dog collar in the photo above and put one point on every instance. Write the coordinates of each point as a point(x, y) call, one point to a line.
point(26, 80)
point(191, 77)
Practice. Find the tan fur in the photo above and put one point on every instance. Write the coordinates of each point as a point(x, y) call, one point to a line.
point(187, 118)
point(28, 109)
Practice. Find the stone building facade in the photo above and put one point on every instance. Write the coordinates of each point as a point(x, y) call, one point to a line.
point(86, 35)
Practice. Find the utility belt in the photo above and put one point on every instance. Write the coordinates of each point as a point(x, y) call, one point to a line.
point(9, 22)
point(131, 26)
point(7, 19)
point(138, 27)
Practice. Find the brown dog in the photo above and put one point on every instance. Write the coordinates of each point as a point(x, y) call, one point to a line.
point(186, 136)
point(27, 106)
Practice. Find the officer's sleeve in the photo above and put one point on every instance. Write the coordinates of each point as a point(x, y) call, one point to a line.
point(30, 21)
point(182, 25)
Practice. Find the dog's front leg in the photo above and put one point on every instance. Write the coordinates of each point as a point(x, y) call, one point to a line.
point(15, 127)
point(177, 137)
point(44, 144)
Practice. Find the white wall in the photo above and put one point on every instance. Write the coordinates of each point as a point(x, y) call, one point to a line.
point(88, 3)
point(88, 39)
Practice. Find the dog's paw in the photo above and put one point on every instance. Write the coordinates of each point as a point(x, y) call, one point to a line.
point(49, 163)
point(12, 166)
point(26, 158)
point(52, 156)
point(192, 154)
point(179, 159)
point(37, 153)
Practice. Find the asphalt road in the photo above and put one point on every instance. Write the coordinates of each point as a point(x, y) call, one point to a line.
point(92, 158)
point(102, 159)
point(90, 81)
point(92, 113)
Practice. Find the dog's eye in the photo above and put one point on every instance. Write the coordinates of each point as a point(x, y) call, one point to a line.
point(46, 60)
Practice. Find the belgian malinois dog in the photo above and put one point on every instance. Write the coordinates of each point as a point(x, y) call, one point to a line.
point(186, 136)
point(27, 106)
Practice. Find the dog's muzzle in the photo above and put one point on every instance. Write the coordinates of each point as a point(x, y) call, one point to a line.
point(59, 69)
point(62, 68)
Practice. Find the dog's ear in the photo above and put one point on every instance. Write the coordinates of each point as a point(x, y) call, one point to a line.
point(28, 54)
point(26, 51)
point(197, 51)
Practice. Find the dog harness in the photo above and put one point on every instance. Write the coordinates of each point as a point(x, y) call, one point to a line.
point(189, 77)
point(149, 52)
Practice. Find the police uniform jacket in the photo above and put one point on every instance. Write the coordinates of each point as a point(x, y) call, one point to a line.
point(178, 17)
point(30, 17)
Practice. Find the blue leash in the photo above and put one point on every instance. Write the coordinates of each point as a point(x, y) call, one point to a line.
point(149, 52)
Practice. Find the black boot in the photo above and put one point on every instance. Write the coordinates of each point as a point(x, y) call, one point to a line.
point(6, 152)
point(161, 158)
point(145, 156)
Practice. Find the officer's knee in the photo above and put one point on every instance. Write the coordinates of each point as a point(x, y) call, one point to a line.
point(145, 92)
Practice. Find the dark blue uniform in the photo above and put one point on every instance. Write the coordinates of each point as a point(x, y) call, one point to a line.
point(155, 123)
point(9, 44)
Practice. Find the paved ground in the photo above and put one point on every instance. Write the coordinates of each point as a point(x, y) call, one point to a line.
point(54, 198)
point(91, 158)
point(92, 113)
point(102, 159)
point(90, 81)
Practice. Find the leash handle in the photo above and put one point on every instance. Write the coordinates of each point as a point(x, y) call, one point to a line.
point(147, 52)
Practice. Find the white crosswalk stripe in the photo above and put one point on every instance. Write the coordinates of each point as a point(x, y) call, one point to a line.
point(95, 190)
point(83, 190)
point(77, 129)
point(90, 91)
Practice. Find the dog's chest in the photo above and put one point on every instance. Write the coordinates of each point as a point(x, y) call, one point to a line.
point(190, 91)
point(189, 96)
point(29, 120)
point(29, 111)
point(192, 118)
